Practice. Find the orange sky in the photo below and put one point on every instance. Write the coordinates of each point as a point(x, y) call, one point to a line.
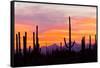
point(53, 26)
point(56, 35)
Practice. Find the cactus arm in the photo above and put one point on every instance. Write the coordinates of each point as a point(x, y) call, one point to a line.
point(65, 43)
point(73, 44)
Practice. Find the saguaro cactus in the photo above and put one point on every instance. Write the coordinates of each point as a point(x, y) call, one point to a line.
point(29, 49)
point(70, 45)
point(95, 40)
point(25, 43)
point(37, 39)
point(89, 42)
point(17, 43)
point(69, 31)
point(95, 44)
point(83, 44)
point(34, 40)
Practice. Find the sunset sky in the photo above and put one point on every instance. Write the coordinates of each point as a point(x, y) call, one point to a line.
point(52, 21)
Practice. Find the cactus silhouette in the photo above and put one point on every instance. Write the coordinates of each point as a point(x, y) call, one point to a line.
point(17, 44)
point(34, 40)
point(95, 40)
point(70, 45)
point(29, 49)
point(83, 44)
point(89, 42)
point(37, 39)
point(95, 44)
point(25, 43)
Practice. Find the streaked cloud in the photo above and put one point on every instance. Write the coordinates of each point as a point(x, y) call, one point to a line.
point(53, 21)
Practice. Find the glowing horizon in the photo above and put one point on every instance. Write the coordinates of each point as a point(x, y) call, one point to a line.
point(53, 23)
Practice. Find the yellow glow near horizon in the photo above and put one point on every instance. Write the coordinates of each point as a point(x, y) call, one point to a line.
point(56, 35)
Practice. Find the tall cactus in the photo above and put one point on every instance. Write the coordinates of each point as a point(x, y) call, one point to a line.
point(34, 40)
point(25, 43)
point(95, 44)
point(83, 44)
point(37, 39)
point(95, 40)
point(70, 45)
point(17, 43)
point(69, 32)
point(29, 49)
point(89, 42)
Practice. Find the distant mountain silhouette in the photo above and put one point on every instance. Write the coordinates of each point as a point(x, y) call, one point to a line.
point(54, 46)
point(49, 48)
